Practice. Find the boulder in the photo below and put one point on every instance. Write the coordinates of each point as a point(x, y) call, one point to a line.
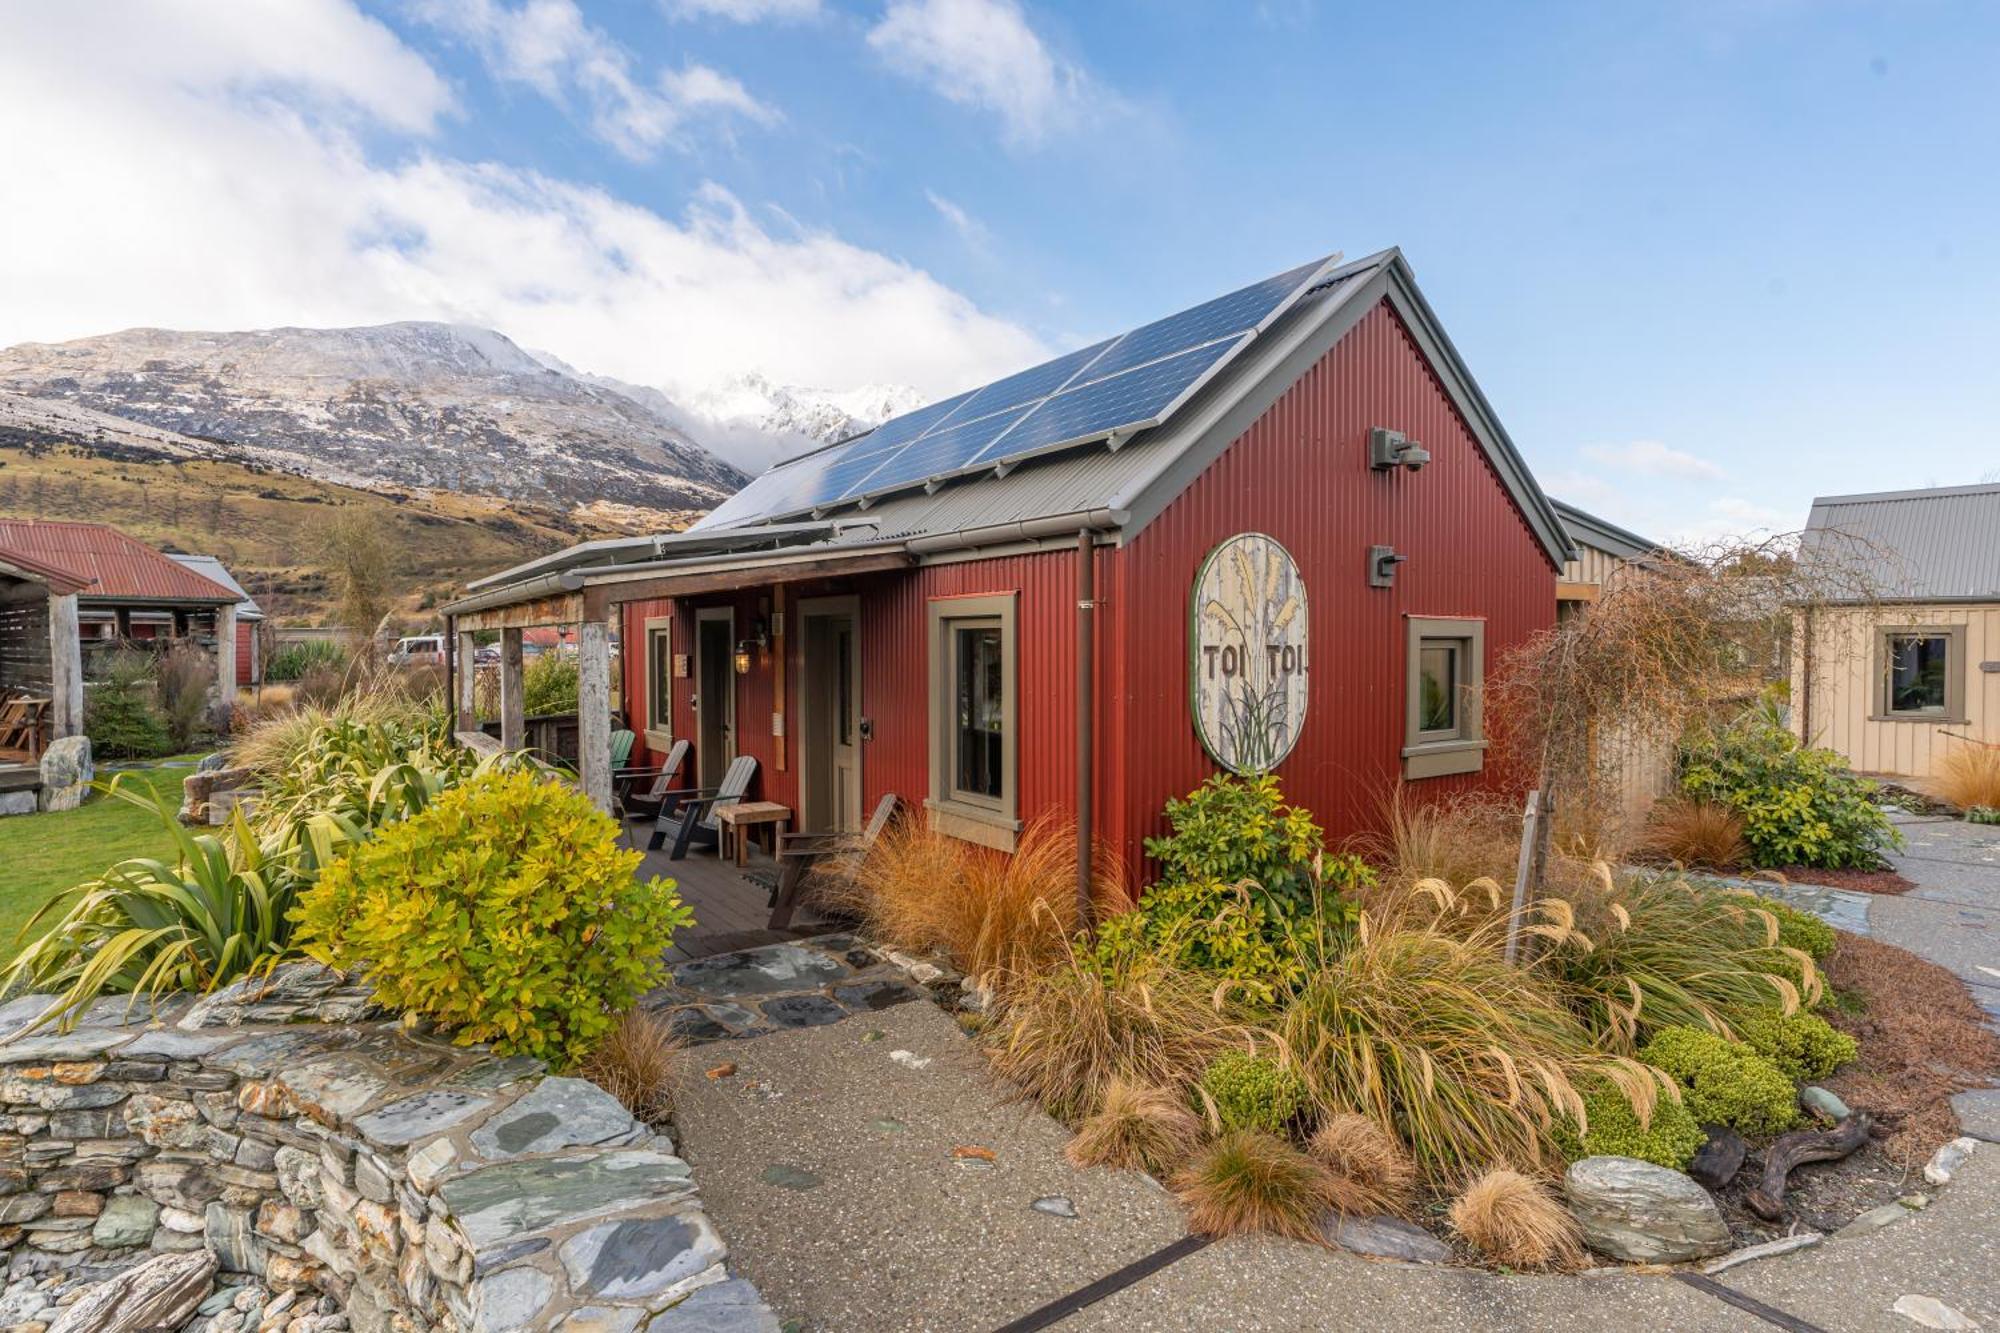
point(159, 1293)
point(1384, 1238)
point(66, 773)
point(1642, 1213)
point(199, 786)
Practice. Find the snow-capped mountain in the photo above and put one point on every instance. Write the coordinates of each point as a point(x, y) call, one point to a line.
point(419, 404)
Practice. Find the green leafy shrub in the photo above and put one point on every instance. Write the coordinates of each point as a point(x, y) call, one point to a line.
point(148, 927)
point(119, 712)
point(1252, 1092)
point(506, 909)
point(1801, 930)
point(1231, 829)
point(1670, 1139)
point(1803, 1045)
point(548, 684)
point(1799, 806)
point(1724, 1082)
point(1206, 926)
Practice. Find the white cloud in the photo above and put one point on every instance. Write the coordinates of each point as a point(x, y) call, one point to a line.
point(743, 11)
point(1653, 459)
point(168, 169)
point(969, 228)
point(985, 54)
point(548, 45)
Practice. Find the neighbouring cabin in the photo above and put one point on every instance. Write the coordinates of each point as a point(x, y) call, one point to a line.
point(1599, 551)
point(1894, 681)
point(1283, 530)
point(69, 591)
point(249, 618)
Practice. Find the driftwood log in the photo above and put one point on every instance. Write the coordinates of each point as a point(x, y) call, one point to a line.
point(1767, 1200)
point(1718, 1161)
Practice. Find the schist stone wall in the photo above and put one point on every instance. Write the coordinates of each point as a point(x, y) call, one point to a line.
point(423, 1185)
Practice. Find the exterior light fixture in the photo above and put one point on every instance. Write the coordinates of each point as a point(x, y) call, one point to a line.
point(1390, 449)
point(743, 658)
point(1382, 562)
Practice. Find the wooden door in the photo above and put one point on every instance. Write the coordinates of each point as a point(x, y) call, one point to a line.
point(831, 701)
point(715, 693)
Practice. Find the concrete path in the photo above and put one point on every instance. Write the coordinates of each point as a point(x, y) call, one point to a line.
point(1952, 917)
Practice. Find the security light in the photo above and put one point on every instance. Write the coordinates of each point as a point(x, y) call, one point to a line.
point(1389, 449)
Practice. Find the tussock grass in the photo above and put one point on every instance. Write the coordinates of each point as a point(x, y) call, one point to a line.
point(1250, 1181)
point(1514, 1220)
point(1695, 833)
point(1969, 776)
point(280, 737)
point(1372, 1171)
point(1139, 1128)
point(1456, 840)
point(639, 1062)
point(996, 917)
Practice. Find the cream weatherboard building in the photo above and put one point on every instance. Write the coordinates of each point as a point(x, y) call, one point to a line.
point(1896, 681)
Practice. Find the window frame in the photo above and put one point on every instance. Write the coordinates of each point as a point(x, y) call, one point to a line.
point(1954, 674)
point(988, 821)
point(1437, 754)
point(659, 682)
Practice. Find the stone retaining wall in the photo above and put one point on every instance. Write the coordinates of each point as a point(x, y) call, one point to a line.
point(423, 1185)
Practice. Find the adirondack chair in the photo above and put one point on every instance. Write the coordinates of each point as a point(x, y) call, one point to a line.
point(634, 803)
point(21, 728)
point(819, 856)
point(621, 748)
point(695, 810)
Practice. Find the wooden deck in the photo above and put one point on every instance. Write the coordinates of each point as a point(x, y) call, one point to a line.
point(731, 907)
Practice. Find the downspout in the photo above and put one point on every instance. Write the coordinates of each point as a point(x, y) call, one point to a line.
point(1086, 714)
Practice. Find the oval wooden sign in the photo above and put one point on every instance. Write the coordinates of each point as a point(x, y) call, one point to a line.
point(1247, 653)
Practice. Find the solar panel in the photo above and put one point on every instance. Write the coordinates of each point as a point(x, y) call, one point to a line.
point(1121, 384)
point(1140, 397)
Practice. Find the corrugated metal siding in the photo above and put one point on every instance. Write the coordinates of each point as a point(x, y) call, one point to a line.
point(1920, 544)
point(119, 566)
point(1301, 475)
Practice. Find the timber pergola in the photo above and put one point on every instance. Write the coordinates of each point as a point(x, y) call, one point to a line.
point(585, 585)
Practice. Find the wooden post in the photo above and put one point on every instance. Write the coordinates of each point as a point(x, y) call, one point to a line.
point(225, 663)
point(468, 678)
point(1526, 870)
point(513, 730)
point(593, 708)
point(65, 668)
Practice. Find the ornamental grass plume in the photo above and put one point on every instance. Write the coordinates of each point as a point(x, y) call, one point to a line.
point(1139, 1128)
point(1374, 1172)
point(1249, 1181)
point(639, 1062)
point(1695, 833)
point(1514, 1220)
point(1969, 776)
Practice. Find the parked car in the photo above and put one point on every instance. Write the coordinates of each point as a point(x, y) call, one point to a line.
point(418, 650)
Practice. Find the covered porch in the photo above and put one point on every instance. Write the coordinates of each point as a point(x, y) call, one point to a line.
point(41, 665)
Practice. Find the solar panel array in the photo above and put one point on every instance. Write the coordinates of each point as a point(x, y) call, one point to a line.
point(1118, 386)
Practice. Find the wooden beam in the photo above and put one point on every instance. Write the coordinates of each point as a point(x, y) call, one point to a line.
point(513, 727)
point(563, 608)
point(65, 668)
point(599, 598)
point(593, 712)
point(468, 678)
point(225, 661)
point(1577, 592)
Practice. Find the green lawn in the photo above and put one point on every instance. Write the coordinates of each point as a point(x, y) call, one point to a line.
point(40, 854)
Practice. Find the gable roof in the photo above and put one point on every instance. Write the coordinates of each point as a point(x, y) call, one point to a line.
point(1936, 545)
point(108, 565)
point(1125, 483)
point(1591, 530)
point(213, 569)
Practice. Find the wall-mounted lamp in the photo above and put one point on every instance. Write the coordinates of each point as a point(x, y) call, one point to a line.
point(1382, 562)
point(743, 658)
point(1392, 449)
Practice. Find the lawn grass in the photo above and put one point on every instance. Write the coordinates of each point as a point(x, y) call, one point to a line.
point(41, 854)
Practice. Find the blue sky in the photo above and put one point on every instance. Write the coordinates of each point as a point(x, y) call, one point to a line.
point(1707, 259)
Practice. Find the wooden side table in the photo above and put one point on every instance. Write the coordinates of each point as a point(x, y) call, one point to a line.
point(733, 823)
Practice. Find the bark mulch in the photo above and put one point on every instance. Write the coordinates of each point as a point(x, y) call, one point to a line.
point(1922, 1040)
point(1861, 881)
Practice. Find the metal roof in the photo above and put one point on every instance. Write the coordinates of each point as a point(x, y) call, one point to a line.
point(1941, 544)
point(211, 568)
point(1594, 531)
point(116, 568)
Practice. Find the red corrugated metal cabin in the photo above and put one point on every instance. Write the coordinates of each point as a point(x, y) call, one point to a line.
point(917, 632)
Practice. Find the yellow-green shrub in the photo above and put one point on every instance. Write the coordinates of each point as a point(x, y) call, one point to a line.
point(1670, 1138)
point(505, 909)
point(1803, 1045)
point(1724, 1082)
point(1251, 1091)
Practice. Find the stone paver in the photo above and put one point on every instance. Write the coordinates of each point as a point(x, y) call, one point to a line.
point(755, 992)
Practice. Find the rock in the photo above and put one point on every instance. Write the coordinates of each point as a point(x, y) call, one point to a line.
point(501, 1203)
point(1873, 1220)
point(1782, 1245)
point(1384, 1238)
point(18, 803)
point(127, 1220)
point(1930, 1312)
point(651, 1259)
point(427, 1166)
point(1717, 1161)
point(159, 1293)
point(1642, 1213)
point(292, 984)
point(66, 773)
point(416, 1118)
point(1916, 1203)
point(212, 763)
point(724, 1307)
point(1055, 1205)
point(162, 1123)
point(299, 1178)
point(229, 1235)
point(510, 1299)
point(910, 1059)
point(558, 1113)
point(1946, 1160)
point(788, 1177)
point(1822, 1103)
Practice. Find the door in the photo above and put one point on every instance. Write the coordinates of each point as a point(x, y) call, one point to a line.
point(715, 693)
point(831, 701)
